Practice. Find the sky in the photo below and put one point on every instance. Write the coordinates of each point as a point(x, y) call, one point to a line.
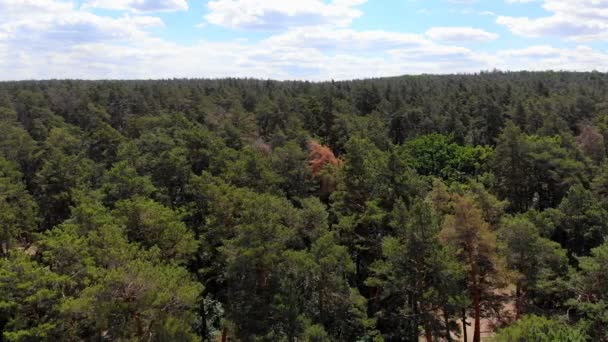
point(297, 39)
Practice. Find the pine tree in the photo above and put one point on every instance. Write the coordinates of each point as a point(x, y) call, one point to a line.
point(478, 252)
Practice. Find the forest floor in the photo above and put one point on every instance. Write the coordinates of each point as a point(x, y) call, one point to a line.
point(489, 325)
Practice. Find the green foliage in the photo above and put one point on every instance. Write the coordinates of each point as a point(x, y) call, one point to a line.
point(535, 171)
point(136, 300)
point(252, 169)
point(251, 255)
point(16, 144)
point(371, 127)
point(512, 168)
point(199, 209)
point(64, 170)
point(599, 185)
point(29, 297)
point(541, 329)
point(491, 207)
point(437, 155)
point(418, 275)
point(583, 222)
point(539, 262)
point(153, 225)
point(18, 211)
point(164, 158)
point(111, 287)
point(362, 177)
point(555, 169)
point(589, 297)
point(122, 182)
point(290, 163)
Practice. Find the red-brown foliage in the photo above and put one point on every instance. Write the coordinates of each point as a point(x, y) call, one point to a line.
point(323, 166)
point(591, 142)
point(262, 146)
point(320, 156)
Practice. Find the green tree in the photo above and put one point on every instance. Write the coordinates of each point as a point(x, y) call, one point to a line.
point(252, 256)
point(30, 295)
point(340, 308)
point(314, 288)
point(18, 211)
point(63, 171)
point(366, 99)
point(556, 168)
point(582, 223)
point(16, 144)
point(418, 277)
point(491, 207)
point(590, 289)
point(112, 287)
point(541, 329)
point(539, 262)
point(253, 169)
point(104, 142)
point(122, 182)
point(437, 155)
point(152, 224)
point(535, 171)
point(512, 168)
point(599, 186)
point(139, 300)
point(290, 162)
point(164, 159)
point(362, 220)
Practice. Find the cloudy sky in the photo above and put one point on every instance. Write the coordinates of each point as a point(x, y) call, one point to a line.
point(297, 39)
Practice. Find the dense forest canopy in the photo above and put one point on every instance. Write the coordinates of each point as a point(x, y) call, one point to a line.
point(393, 209)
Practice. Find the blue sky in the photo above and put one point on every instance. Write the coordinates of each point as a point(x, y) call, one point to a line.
point(297, 39)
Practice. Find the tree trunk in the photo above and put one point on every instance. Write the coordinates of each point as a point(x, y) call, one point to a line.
point(224, 334)
point(415, 323)
point(517, 301)
point(2, 324)
point(203, 312)
point(464, 325)
point(428, 333)
point(446, 319)
point(139, 325)
point(321, 308)
point(477, 304)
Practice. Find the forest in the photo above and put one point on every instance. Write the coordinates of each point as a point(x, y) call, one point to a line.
point(415, 208)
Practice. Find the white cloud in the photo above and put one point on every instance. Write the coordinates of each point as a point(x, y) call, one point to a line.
point(532, 52)
point(155, 58)
point(579, 20)
point(464, 2)
point(579, 58)
point(42, 39)
point(57, 39)
point(140, 5)
point(345, 39)
point(460, 34)
point(280, 14)
point(32, 25)
point(17, 8)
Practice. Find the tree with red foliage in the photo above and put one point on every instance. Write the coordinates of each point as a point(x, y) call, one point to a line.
point(323, 164)
point(591, 142)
